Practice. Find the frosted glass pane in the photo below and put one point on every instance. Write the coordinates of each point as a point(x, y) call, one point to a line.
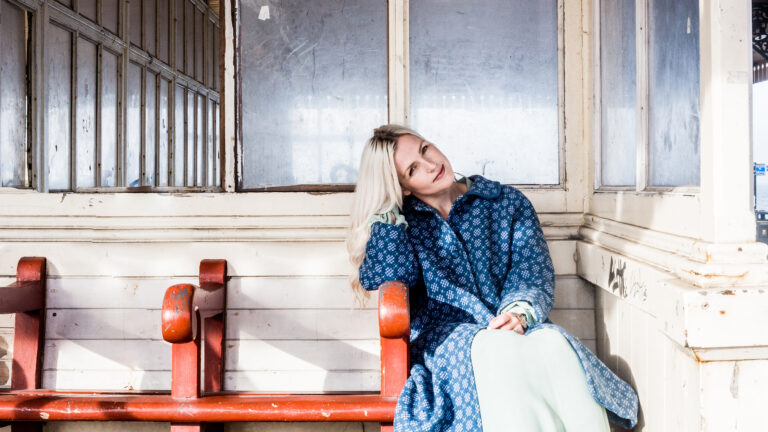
point(58, 106)
point(133, 127)
point(85, 120)
point(162, 126)
point(13, 96)
point(314, 87)
point(189, 37)
point(180, 34)
point(200, 142)
point(209, 54)
point(109, 86)
point(150, 25)
point(150, 130)
point(209, 154)
point(178, 137)
point(164, 30)
point(217, 149)
point(618, 92)
point(216, 58)
point(190, 151)
point(134, 14)
point(110, 14)
point(484, 85)
point(87, 8)
point(674, 92)
point(199, 32)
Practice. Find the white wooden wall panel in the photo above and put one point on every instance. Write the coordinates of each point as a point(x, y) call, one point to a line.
point(300, 381)
point(665, 377)
point(293, 323)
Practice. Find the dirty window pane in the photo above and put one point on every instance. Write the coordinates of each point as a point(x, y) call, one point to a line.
point(87, 8)
point(314, 86)
point(674, 92)
point(134, 14)
point(85, 120)
point(133, 127)
point(164, 30)
point(200, 142)
point(13, 96)
point(109, 14)
point(215, 83)
point(58, 106)
point(199, 49)
point(190, 121)
point(150, 25)
point(217, 148)
point(209, 155)
point(178, 137)
point(483, 85)
point(189, 38)
point(209, 54)
point(109, 86)
point(149, 129)
point(162, 126)
point(180, 34)
point(618, 92)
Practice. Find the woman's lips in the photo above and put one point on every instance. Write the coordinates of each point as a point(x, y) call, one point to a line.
point(440, 174)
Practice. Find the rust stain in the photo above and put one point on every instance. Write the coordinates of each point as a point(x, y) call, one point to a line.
point(722, 312)
point(695, 354)
point(707, 257)
point(727, 292)
point(714, 275)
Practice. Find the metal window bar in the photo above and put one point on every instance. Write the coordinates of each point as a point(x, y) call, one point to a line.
point(95, 22)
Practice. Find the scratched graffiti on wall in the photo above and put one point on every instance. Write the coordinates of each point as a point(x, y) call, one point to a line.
point(625, 285)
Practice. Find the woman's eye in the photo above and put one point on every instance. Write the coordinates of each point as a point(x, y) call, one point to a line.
point(424, 149)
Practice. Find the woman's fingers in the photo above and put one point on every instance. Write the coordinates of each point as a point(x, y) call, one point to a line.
point(505, 321)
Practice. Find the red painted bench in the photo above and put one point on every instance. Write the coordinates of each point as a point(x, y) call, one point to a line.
point(193, 321)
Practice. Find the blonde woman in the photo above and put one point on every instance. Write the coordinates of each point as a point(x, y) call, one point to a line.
point(484, 356)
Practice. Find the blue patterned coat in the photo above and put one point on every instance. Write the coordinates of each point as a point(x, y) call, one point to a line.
point(490, 252)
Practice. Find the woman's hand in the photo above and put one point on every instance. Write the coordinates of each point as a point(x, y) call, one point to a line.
point(507, 321)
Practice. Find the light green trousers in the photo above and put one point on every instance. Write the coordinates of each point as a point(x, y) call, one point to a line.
point(532, 383)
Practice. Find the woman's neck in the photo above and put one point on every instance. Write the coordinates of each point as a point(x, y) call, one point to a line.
point(444, 201)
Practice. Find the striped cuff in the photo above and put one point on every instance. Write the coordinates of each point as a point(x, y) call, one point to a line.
point(521, 308)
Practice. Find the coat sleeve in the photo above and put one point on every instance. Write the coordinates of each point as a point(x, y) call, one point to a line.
point(531, 277)
point(389, 256)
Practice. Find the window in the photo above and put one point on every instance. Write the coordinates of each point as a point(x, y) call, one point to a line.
point(483, 86)
point(108, 117)
point(649, 94)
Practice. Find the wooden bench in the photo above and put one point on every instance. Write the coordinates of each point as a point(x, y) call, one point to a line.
point(193, 322)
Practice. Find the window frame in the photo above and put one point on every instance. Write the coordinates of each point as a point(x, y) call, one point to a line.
point(642, 165)
point(51, 12)
point(398, 93)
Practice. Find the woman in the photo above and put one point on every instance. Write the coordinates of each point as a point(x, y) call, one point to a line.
point(480, 277)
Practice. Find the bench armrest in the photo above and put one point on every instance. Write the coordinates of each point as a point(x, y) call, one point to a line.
point(395, 331)
point(184, 304)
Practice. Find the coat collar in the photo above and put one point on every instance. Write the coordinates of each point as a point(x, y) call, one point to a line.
point(481, 187)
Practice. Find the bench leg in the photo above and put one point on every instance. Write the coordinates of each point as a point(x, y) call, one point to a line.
point(387, 427)
point(27, 427)
point(187, 427)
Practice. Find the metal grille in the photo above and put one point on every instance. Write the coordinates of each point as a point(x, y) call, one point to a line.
point(101, 88)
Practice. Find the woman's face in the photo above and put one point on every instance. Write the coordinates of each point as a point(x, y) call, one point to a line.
point(421, 168)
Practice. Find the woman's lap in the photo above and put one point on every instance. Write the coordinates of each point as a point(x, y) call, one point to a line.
point(532, 383)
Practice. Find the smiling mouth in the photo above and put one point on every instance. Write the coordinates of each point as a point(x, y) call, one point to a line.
point(440, 174)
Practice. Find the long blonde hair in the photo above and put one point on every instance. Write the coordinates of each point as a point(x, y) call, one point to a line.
point(378, 191)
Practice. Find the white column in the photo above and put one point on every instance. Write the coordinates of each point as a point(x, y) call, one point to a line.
point(726, 158)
